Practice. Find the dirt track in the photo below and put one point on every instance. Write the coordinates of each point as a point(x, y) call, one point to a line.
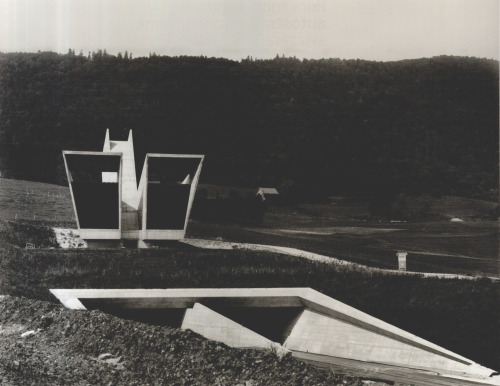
point(216, 244)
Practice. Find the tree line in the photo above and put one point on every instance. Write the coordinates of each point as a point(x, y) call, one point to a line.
point(311, 128)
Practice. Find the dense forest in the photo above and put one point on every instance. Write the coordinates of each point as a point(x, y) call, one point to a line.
point(309, 127)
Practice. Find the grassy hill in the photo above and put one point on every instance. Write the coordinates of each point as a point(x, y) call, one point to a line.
point(35, 201)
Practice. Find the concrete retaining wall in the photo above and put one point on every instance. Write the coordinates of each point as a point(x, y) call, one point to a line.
point(326, 327)
point(320, 334)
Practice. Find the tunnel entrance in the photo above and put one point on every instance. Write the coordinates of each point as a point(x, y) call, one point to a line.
point(273, 323)
point(170, 317)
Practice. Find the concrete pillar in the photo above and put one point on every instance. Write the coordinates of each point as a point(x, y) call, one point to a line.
point(402, 260)
point(141, 244)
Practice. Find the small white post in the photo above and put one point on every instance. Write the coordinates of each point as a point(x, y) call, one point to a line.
point(402, 260)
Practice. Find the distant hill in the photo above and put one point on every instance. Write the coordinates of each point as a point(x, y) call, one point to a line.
point(310, 127)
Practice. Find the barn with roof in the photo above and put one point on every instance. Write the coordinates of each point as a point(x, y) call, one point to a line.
point(267, 194)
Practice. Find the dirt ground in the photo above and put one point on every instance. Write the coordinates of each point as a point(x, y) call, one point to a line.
point(46, 344)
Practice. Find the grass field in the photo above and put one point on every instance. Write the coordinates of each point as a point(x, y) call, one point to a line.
point(341, 229)
point(36, 201)
point(345, 231)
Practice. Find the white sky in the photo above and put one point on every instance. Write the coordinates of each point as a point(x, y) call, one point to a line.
point(235, 29)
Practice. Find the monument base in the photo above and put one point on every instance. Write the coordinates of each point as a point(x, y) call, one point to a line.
point(104, 244)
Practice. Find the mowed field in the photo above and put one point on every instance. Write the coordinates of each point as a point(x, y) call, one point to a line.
point(36, 201)
point(342, 229)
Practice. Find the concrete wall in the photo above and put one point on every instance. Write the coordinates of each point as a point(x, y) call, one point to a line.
point(321, 334)
point(129, 180)
point(104, 234)
point(162, 234)
point(142, 199)
point(215, 326)
point(103, 244)
point(327, 327)
point(90, 168)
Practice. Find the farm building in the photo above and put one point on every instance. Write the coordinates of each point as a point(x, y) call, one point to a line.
point(267, 193)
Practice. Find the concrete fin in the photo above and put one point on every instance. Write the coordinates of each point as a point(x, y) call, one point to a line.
point(257, 318)
point(107, 146)
point(69, 301)
point(215, 326)
point(129, 179)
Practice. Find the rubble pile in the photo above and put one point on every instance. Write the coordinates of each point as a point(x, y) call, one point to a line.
point(44, 343)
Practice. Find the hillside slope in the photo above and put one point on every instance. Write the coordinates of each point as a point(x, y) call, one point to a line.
point(342, 229)
point(28, 200)
point(313, 127)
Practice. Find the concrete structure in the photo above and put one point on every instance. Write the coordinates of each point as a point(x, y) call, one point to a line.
point(402, 260)
point(215, 326)
point(110, 207)
point(312, 325)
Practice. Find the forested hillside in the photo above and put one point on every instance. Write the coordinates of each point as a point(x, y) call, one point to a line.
point(312, 127)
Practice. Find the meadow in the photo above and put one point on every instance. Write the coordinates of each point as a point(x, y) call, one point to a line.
point(341, 228)
point(36, 201)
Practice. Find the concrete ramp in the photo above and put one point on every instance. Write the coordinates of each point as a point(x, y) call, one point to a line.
point(321, 334)
point(319, 329)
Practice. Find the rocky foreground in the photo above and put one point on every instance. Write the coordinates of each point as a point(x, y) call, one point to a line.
point(45, 344)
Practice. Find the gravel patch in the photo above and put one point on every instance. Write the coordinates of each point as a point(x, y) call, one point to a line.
point(44, 343)
point(68, 238)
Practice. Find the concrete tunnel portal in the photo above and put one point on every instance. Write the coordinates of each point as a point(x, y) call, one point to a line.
point(311, 326)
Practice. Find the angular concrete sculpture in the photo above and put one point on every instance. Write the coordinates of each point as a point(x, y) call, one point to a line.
point(313, 326)
point(110, 207)
point(215, 326)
